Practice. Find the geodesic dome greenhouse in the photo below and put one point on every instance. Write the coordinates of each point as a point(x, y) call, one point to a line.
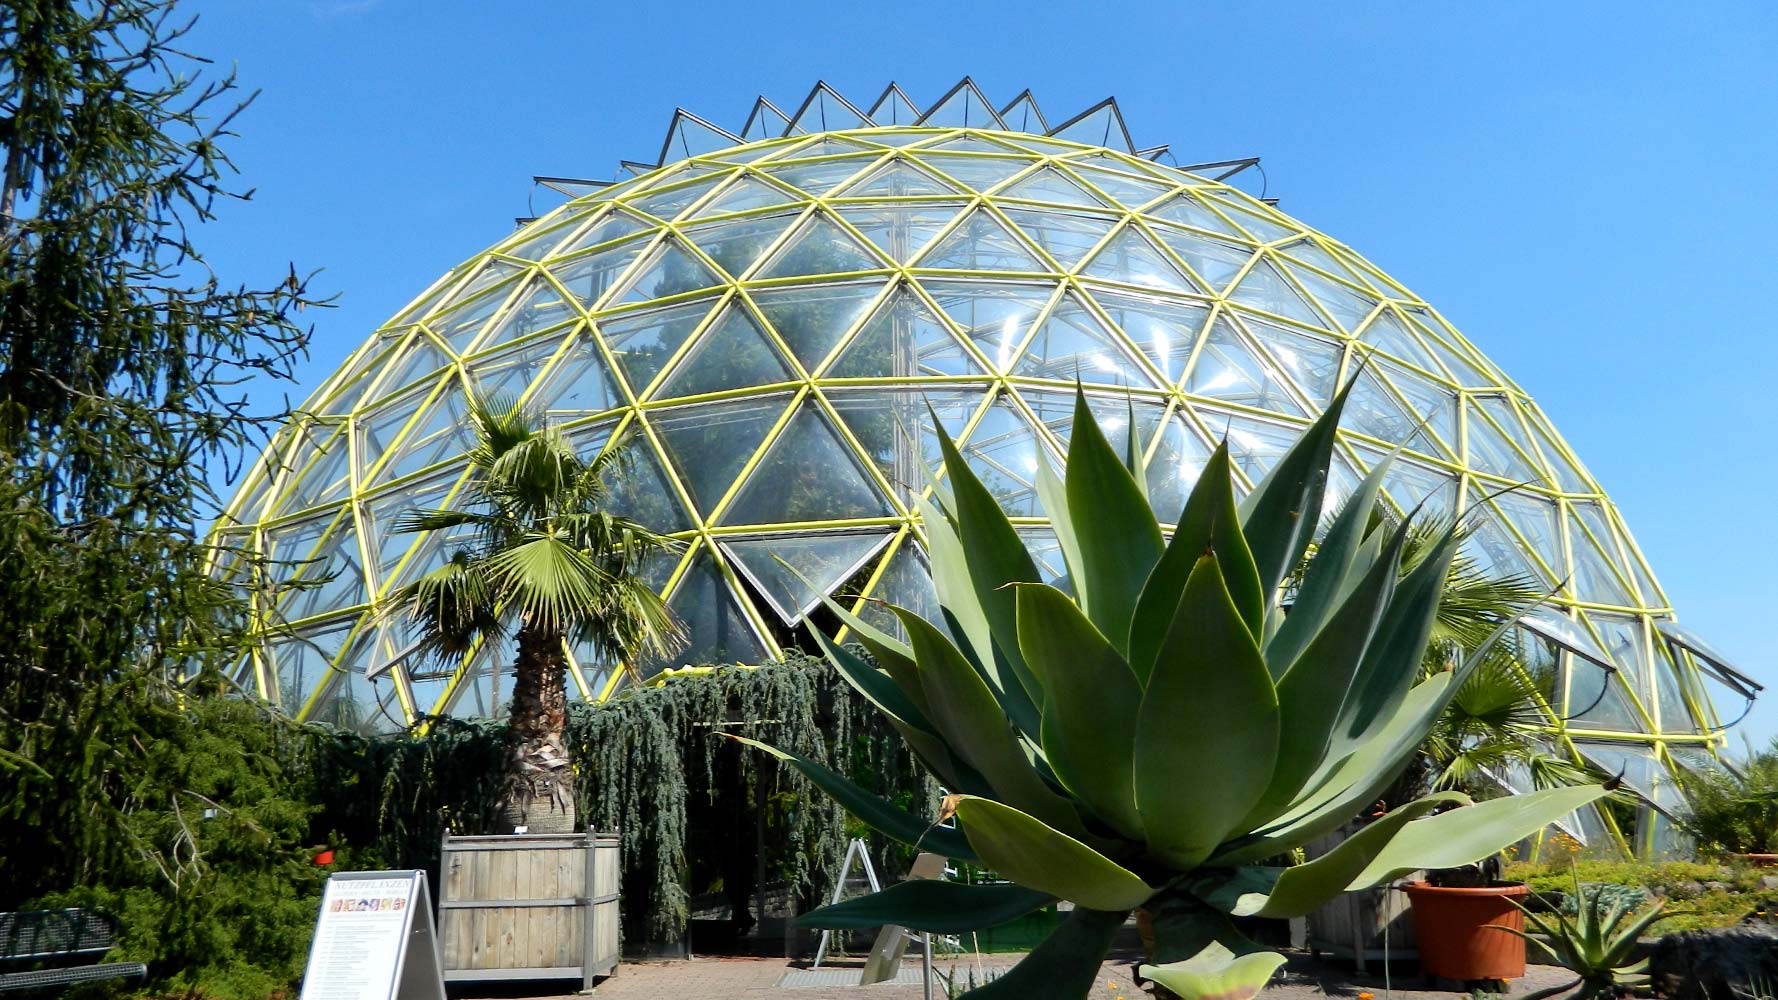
point(764, 318)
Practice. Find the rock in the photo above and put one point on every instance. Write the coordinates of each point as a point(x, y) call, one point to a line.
point(1687, 889)
point(1720, 964)
point(1768, 882)
point(1717, 887)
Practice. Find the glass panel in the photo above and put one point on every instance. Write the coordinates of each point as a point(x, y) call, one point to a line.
point(900, 231)
point(1227, 368)
point(821, 248)
point(579, 383)
point(1372, 409)
point(1023, 115)
point(1427, 401)
point(537, 245)
point(717, 630)
point(300, 663)
point(1312, 362)
point(736, 244)
point(906, 583)
point(894, 109)
point(1494, 550)
point(328, 475)
point(808, 474)
point(1054, 186)
point(444, 432)
point(1174, 468)
point(1131, 258)
point(709, 444)
point(1265, 288)
point(331, 579)
point(983, 173)
point(669, 203)
point(642, 342)
point(730, 353)
point(1113, 413)
point(357, 703)
point(896, 432)
point(1490, 452)
point(1046, 552)
point(1132, 191)
point(487, 275)
point(1190, 211)
point(1002, 449)
point(900, 179)
point(824, 560)
point(689, 137)
point(1569, 476)
point(1215, 263)
point(614, 226)
point(827, 145)
point(903, 340)
point(981, 243)
point(812, 319)
point(1254, 445)
point(588, 278)
point(458, 327)
point(383, 519)
point(1264, 228)
point(1392, 336)
point(485, 690)
point(819, 178)
point(636, 487)
point(1165, 329)
point(1347, 307)
point(964, 108)
point(745, 194)
point(826, 111)
point(1310, 252)
point(291, 548)
point(1594, 579)
point(508, 375)
point(539, 307)
point(1411, 485)
point(1066, 235)
point(421, 361)
point(994, 316)
point(1538, 521)
point(667, 271)
point(1622, 637)
point(1071, 343)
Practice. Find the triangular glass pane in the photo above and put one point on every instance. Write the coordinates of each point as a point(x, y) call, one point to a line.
point(690, 137)
point(901, 231)
point(1067, 236)
point(821, 248)
point(1537, 521)
point(766, 122)
point(1349, 308)
point(1071, 343)
point(964, 107)
point(589, 277)
point(1594, 578)
point(614, 226)
point(670, 270)
point(827, 145)
point(812, 319)
point(508, 375)
point(894, 108)
point(1390, 335)
point(717, 630)
point(1494, 550)
point(1051, 185)
point(642, 342)
point(491, 273)
point(484, 691)
point(1254, 445)
point(420, 361)
point(994, 316)
point(1165, 329)
point(1490, 452)
point(1113, 412)
point(1312, 362)
point(636, 487)
point(808, 474)
point(539, 244)
point(1427, 401)
point(539, 307)
point(1310, 252)
point(301, 663)
point(1263, 228)
point(1411, 486)
point(1128, 189)
point(1002, 449)
point(895, 429)
point(1103, 126)
point(377, 429)
point(709, 444)
point(578, 383)
point(669, 203)
point(825, 560)
point(1228, 369)
point(731, 353)
point(1464, 371)
point(1569, 476)
point(445, 431)
point(1023, 115)
point(899, 179)
point(903, 340)
point(325, 451)
point(1174, 468)
point(826, 111)
point(981, 243)
point(1132, 258)
point(1373, 410)
point(1189, 211)
point(384, 517)
point(971, 144)
point(818, 178)
point(744, 195)
point(736, 244)
point(1265, 288)
point(460, 326)
point(905, 583)
point(1215, 263)
point(982, 173)
point(1610, 708)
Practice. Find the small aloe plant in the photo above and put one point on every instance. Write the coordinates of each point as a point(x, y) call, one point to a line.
point(1595, 945)
point(1153, 735)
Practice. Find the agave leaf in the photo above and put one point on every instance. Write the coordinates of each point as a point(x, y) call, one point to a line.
point(1217, 974)
point(976, 729)
point(1053, 496)
point(1034, 854)
point(1280, 516)
point(894, 822)
point(1208, 521)
point(1207, 730)
point(1115, 527)
point(1326, 579)
point(1554, 955)
point(930, 905)
point(1088, 688)
point(1301, 889)
point(1065, 965)
point(1312, 690)
point(1467, 835)
point(1626, 939)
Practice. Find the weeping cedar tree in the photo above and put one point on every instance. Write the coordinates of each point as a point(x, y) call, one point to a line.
point(549, 559)
point(1154, 738)
point(121, 360)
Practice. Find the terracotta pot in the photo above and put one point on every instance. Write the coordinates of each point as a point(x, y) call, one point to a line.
point(1455, 941)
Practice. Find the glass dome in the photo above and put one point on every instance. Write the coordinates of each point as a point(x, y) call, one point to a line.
point(766, 320)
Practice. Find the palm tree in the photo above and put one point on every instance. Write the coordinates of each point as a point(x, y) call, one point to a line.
point(549, 563)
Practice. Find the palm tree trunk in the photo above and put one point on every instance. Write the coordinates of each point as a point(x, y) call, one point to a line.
point(538, 793)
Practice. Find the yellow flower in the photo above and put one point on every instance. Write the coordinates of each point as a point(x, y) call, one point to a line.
point(1111, 986)
point(1367, 996)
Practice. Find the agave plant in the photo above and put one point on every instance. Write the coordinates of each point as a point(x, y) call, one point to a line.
point(1596, 945)
point(1150, 739)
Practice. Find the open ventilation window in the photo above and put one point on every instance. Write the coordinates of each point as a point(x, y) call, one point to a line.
point(1682, 641)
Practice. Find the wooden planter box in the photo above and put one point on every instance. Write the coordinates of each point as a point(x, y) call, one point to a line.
point(1352, 925)
point(529, 906)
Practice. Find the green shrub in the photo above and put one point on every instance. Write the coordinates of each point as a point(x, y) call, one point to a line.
point(1734, 812)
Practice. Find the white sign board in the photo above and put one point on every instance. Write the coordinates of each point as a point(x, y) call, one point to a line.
point(374, 940)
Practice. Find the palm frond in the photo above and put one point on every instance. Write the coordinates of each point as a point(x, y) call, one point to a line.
point(548, 581)
point(453, 606)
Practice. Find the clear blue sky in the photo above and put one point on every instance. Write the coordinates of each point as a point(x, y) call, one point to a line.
point(1587, 190)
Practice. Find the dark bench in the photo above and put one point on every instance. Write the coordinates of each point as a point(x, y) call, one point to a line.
point(61, 939)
